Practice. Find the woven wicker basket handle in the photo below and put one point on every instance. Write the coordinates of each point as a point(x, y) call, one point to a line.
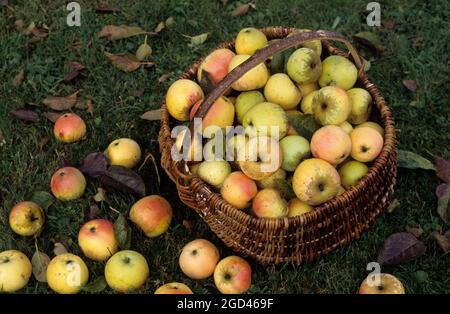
point(266, 52)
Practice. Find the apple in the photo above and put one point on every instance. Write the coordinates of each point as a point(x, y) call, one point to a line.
point(221, 113)
point(346, 126)
point(268, 203)
point(266, 119)
point(262, 157)
point(331, 144)
point(306, 89)
point(181, 96)
point(67, 273)
point(126, 271)
point(15, 271)
point(314, 44)
point(315, 181)
point(281, 90)
point(97, 239)
point(294, 149)
point(367, 144)
point(331, 105)
point(198, 259)
point(123, 152)
point(249, 40)
point(361, 105)
point(372, 125)
point(214, 172)
point(254, 79)
point(26, 218)
point(338, 71)
point(307, 102)
point(215, 149)
point(341, 190)
point(238, 190)
point(191, 150)
point(215, 65)
point(351, 172)
point(233, 275)
point(304, 66)
point(296, 207)
point(174, 288)
point(247, 100)
point(68, 183)
point(69, 128)
point(292, 115)
point(152, 214)
point(389, 284)
point(272, 181)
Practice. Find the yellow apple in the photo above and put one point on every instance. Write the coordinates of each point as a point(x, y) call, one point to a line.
point(254, 79)
point(351, 172)
point(238, 190)
point(281, 90)
point(152, 214)
point(389, 284)
point(126, 271)
point(233, 275)
point(315, 181)
point(68, 184)
point(26, 218)
point(67, 273)
point(338, 71)
point(247, 100)
point(272, 181)
point(97, 239)
point(367, 144)
point(331, 144)
point(180, 98)
point(372, 125)
point(266, 119)
point(294, 149)
point(331, 105)
point(347, 127)
point(15, 271)
point(307, 102)
point(361, 105)
point(174, 288)
point(304, 66)
point(306, 89)
point(314, 44)
point(214, 172)
point(198, 259)
point(123, 152)
point(249, 40)
point(296, 207)
point(268, 203)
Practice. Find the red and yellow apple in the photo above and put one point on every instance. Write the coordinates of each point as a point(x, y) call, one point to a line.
point(367, 144)
point(180, 98)
point(68, 183)
point(123, 152)
point(198, 259)
point(238, 189)
point(67, 274)
point(373, 125)
point(389, 284)
point(331, 144)
point(174, 288)
point(69, 128)
point(233, 275)
point(215, 65)
point(268, 203)
point(97, 239)
point(26, 218)
point(15, 271)
point(152, 214)
point(221, 113)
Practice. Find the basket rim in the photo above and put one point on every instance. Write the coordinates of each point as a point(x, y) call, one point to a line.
point(389, 144)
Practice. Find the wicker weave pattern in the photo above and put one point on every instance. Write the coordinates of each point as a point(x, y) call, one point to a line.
point(302, 238)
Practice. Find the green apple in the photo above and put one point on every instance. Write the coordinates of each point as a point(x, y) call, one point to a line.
point(214, 172)
point(361, 105)
point(351, 172)
point(266, 119)
point(247, 100)
point(281, 90)
point(306, 89)
point(314, 44)
point(307, 102)
point(304, 66)
point(338, 71)
point(294, 149)
point(331, 105)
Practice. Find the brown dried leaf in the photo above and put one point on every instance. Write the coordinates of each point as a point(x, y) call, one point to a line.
point(164, 77)
point(123, 63)
point(242, 9)
point(170, 21)
point(160, 27)
point(152, 115)
point(23, 114)
point(18, 24)
point(115, 32)
point(61, 103)
point(389, 24)
point(94, 164)
point(442, 169)
point(400, 248)
point(189, 224)
point(59, 249)
point(39, 263)
point(18, 79)
point(198, 40)
point(105, 9)
point(441, 240)
point(393, 206)
point(443, 195)
point(417, 232)
point(91, 212)
point(43, 141)
point(52, 116)
point(75, 70)
point(411, 85)
point(370, 40)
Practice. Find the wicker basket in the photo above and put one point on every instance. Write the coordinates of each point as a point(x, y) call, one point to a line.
point(305, 237)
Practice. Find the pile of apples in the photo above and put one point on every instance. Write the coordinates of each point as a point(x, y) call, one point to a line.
point(310, 170)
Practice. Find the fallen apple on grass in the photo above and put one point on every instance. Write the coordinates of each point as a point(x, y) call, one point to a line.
point(198, 259)
point(69, 128)
point(15, 271)
point(67, 274)
point(389, 284)
point(26, 218)
point(233, 275)
point(68, 183)
point(174, 288)
point(152, 214)
point(123, 152)
point(97, 239)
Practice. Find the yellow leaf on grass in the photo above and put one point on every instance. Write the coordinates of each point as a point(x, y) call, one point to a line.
point(152, 115)
point(114, 32)
point(123, 63)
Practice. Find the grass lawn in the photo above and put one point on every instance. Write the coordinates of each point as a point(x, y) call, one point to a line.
point(416, 48)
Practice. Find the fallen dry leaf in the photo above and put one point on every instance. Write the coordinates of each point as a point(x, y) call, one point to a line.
point(169, 22)
point(389, 24)
point(52, 116)
point(86, 105)
point(43, 141)
point(441, 240)
point(160, 27)
point(410, 160)
point(123, 63)
point(164, 77)
point(59, 249)
point(137, 93)
point(61, 103)
point(400, 248)
point(443, 195)
point(18, 24)
point(243, 9)
point(104, 9)
point(417, 232)
point(23, 114)
point(411, 85)
point(198, 40)
point(94, 164)
point(115, 32)
point(39, 263)
point(370, 40)
point(37, 33)
point(18, 79)
point(100, 196)
point(91, 212)
point(75, 70)
point(152, 115)
point(442, 169)
point(189, 224)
